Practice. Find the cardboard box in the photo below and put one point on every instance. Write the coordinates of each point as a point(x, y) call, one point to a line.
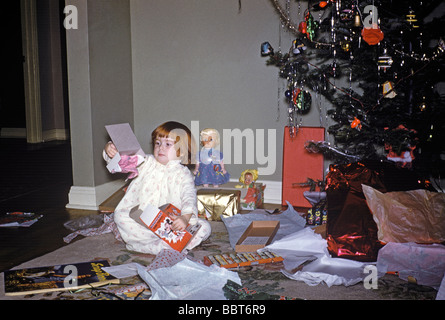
point(321, 230)
point(258, 235)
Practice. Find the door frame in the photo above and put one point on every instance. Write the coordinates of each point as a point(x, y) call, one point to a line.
point(31, 71)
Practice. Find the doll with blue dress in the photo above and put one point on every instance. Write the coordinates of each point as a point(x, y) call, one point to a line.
point(210, 165)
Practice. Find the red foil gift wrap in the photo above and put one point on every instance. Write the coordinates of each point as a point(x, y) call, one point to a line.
point(351, 229)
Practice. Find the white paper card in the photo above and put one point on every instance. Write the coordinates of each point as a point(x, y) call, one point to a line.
point(124, 139)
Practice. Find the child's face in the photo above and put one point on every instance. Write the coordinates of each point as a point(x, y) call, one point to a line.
point(164, 150)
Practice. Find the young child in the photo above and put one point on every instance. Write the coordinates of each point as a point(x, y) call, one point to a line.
point(163, 178)
point(210, 165)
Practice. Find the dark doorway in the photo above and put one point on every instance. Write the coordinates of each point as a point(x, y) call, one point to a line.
point(12, 96)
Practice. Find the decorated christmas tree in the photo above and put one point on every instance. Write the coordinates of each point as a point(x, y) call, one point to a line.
point(380, 64)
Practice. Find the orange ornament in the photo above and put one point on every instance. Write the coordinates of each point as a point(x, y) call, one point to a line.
point(356, 123)
point(323, 4)
point(372, 36)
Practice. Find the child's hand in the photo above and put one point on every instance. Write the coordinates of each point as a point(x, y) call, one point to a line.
point(110, 150)
point(181, 222)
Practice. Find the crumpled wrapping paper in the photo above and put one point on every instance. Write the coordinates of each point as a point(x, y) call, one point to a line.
point(424, 262)
point(408, 216)
point(307, 259)
point(351, 229)
point(172, 276)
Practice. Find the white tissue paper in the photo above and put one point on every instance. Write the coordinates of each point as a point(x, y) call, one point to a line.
point(424, 262)
point(441, 292)
point(185, 279)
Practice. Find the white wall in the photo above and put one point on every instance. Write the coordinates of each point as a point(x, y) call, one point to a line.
point(194, 61)
point(199, 60)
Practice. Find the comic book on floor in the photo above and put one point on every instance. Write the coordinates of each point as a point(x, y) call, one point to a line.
point(57, 278)
point(159, 220)
point(18, 219)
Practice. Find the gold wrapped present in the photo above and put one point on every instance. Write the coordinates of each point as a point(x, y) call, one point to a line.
point(214, 203)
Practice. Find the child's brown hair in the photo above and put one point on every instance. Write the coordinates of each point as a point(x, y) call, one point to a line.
point(184, 143)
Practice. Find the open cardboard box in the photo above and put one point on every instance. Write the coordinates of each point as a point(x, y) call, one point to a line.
point(258, 235)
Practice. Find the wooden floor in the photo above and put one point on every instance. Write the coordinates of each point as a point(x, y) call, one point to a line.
point(34, 178)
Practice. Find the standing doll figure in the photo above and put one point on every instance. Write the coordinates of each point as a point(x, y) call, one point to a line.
point(210, 165)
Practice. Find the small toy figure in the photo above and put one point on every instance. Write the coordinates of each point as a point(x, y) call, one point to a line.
point(210, 165)
point(248, 178)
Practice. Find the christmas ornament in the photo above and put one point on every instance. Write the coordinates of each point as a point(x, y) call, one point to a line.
point(357, 20)
point(288, 94)
point(295, 94)
point(372, 36)
point(311, 26)
point(266, 49)
point(345, 45)
point(356, 124)
point(346, 15)
point(385, 61)
point(321, 5)
point(388, 90)
point(302, 27)
point(298, 46)
point(411, 19)
point(303, 101)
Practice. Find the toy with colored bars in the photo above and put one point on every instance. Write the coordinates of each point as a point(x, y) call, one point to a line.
point(241, 259)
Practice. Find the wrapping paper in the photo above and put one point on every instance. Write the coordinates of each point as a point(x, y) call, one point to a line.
point(172, 276)
point(351, 229)
point(214, 203)
point(424, 262)
point(408, 216)
point(309, 249)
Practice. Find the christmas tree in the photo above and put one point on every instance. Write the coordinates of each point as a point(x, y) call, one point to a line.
point(390, 60)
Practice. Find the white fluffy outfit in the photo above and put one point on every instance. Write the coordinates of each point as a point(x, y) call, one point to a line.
point(158, 184)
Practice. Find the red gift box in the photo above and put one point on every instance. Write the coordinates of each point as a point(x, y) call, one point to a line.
point(300, 164)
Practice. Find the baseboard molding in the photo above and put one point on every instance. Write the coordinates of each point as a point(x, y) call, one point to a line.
point(89, 198)
point(13, 133)
point(272, 192)
point(47, 135)
point(55, 134)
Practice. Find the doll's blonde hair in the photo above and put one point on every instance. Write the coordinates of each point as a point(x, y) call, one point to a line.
point(253, 172)
point(210, 132)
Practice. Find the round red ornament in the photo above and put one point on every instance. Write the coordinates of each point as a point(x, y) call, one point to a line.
point(372, 36)
point(302, 27)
